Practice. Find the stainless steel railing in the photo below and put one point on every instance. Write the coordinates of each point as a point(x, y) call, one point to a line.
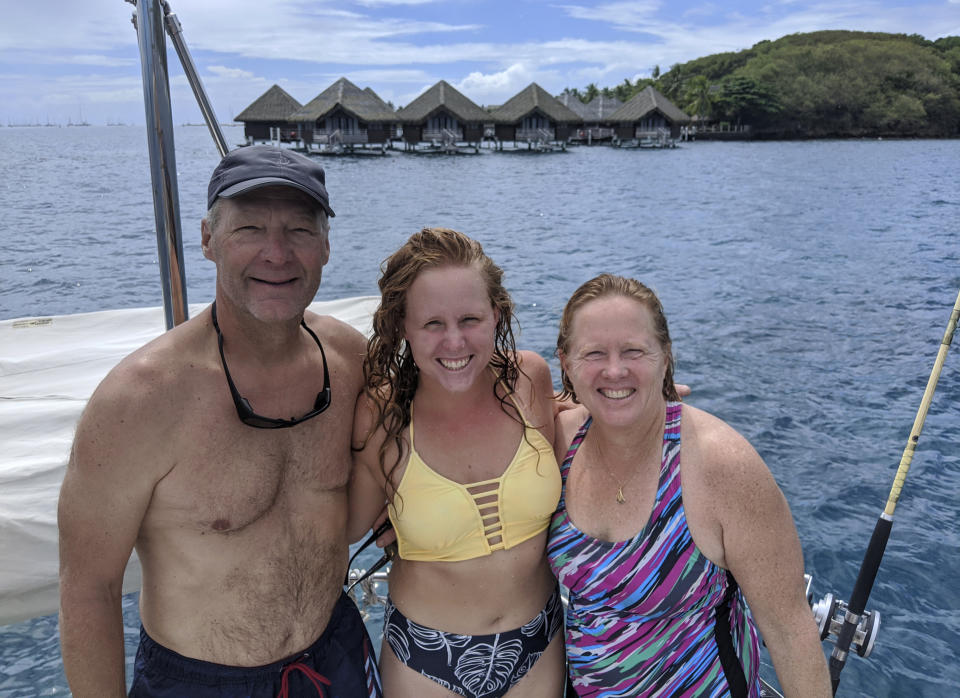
point(150, 19)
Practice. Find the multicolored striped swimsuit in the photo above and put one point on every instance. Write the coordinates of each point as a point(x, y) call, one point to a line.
point(651, 616)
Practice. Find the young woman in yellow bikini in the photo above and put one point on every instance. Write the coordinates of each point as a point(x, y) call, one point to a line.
point(455, 433)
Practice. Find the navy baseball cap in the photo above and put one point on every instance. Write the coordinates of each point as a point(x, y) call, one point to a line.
point(251, 167)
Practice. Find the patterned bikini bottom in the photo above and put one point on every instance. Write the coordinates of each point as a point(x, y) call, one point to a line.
point(473, 665)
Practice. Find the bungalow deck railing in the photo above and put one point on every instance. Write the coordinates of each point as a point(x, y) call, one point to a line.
point(326, 137)
point(659, 134)
point(535, 134)
point(338, 137)
point(596, 132)
point(722, 127)
point(447, 136)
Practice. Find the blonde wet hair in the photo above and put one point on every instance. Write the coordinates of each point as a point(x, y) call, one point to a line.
point(611, 285)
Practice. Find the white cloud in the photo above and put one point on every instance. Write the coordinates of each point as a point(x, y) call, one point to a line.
point(230, 73)
point(625, 15)
point(495, 87)
point(378, 3)
point(304, 45)
point(303, 31)
point(45, 58)
point(95, 97)
point(707, 9)
point(62, 25)
point(382, 75)
point(94, 59)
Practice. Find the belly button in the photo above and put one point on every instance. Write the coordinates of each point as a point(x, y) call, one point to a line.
point(221, 525)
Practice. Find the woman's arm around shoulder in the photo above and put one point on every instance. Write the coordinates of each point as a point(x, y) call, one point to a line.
point(566, 425)
point(366, 490)
point(537, 401)
point(733, 488)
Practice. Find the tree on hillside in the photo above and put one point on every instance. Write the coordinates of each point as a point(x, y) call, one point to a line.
point(624, 91)
point(827, 83)
point(573, 92)
point(854, 87)
point(671, 82)
point(743, 99)
point(949, 48)
point(900, 112)
point(718, 65)
point(697, 97)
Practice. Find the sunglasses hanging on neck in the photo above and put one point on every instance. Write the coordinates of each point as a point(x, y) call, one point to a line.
point(245, 411)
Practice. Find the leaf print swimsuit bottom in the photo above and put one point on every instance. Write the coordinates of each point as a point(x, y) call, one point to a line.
point(473, 665)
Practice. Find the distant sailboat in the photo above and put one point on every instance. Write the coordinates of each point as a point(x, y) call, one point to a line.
point(78, 123)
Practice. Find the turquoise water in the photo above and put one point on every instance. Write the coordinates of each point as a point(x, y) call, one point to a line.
point(808, 285)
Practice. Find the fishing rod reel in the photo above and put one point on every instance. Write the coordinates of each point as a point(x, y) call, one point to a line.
point(830, 614)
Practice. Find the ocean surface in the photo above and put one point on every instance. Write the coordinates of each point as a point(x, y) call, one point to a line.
point(807, 285)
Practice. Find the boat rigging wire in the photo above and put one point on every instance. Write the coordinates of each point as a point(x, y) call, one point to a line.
point(175, 30)
point(150, 19)
point(881, 532)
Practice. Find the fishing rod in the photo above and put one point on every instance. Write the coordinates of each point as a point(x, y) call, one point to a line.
point(855, 623)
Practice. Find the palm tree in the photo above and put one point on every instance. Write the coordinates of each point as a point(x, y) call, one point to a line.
point(671, 82)
point(624, 91)
point(697, 97)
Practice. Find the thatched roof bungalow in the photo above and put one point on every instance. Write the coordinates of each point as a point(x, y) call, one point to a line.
point(343, 113)
point(376, 97)
point(596, 111)
point(268, 112)
point(648, 114)
point(595, 114)
point(534, 115)
point(442, 114)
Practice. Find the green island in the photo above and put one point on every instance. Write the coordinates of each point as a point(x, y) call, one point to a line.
point(825, 84)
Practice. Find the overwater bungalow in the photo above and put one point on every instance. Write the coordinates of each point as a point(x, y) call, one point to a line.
point(533, 116)
point(444, 118)
point(648, 118)
point(343, 117)
point(268, 117)
point(595, 114)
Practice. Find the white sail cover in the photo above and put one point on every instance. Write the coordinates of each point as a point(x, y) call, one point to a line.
point(49, 367)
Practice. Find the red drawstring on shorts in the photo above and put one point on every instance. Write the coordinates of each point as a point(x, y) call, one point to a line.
point(315, 678)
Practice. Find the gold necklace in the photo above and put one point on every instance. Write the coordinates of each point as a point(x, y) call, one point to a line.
point(620, 498)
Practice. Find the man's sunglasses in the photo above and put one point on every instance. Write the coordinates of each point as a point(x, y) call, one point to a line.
point(245, 411)
point(388, 554)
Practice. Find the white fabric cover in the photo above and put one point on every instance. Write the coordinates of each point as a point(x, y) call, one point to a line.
point(49, 366)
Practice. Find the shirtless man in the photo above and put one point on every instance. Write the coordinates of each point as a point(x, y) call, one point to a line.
point(183, 453)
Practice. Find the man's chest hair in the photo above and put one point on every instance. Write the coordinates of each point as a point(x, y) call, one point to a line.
point(227, 485)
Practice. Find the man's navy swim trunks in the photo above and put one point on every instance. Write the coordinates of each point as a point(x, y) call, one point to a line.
point(340, 664)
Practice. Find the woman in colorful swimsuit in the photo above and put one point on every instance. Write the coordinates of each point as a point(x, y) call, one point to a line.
point(659, 569)
point(459, 442)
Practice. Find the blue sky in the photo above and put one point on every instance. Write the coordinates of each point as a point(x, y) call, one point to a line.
point(67, 60)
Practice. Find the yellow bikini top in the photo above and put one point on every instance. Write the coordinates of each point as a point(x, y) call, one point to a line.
point(437, 519)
